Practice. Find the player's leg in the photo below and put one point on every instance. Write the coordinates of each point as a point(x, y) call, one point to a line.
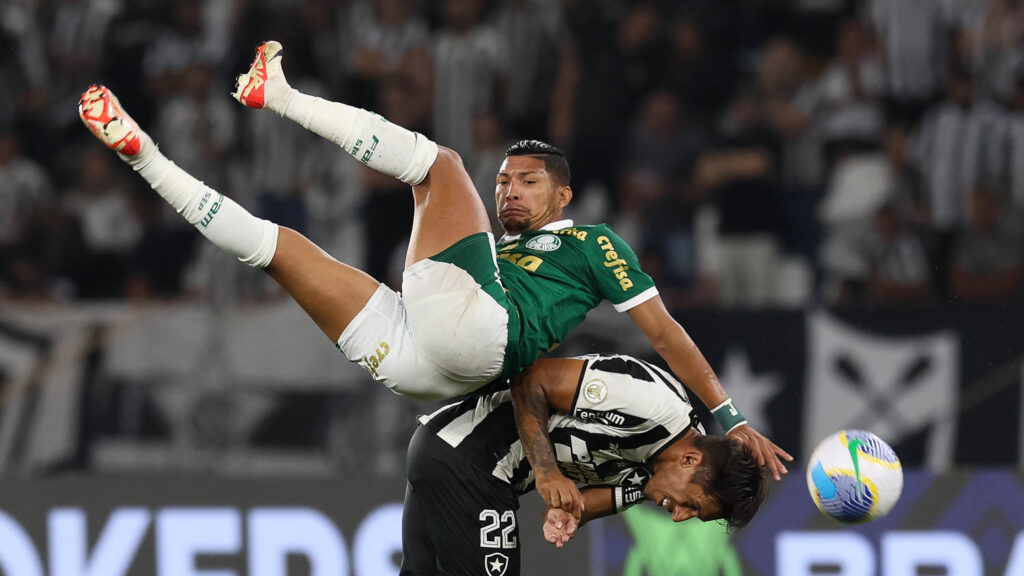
point(472, 515)
point(448, 207)
point(332, 293)
point(419, 556)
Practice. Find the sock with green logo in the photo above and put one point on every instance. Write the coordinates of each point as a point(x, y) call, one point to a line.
point(368, 137)
point(252, 240)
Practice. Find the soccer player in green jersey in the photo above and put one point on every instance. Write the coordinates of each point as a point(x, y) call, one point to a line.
point(464, 317)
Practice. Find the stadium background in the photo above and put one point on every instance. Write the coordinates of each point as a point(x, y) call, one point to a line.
point(828, 193)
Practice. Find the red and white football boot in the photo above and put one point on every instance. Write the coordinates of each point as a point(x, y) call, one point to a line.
point(102, 114)
point(251, 87)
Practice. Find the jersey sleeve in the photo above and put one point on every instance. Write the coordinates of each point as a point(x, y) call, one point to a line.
point(617, 271)
point(641, 404)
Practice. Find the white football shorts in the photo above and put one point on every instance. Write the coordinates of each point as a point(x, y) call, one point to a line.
point(444, 336)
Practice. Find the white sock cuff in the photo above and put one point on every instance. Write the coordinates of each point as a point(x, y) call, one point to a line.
point(267, 248)
point(423, 155)
point(370, 138)
point(279, 97)
point(282, 110)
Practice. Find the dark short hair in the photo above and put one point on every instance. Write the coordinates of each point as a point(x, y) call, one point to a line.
point(554, 159)
point(730, 474)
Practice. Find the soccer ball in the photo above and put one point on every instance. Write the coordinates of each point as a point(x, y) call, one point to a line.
point(854, 476)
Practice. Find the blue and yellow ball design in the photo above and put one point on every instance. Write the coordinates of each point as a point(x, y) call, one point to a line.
point(854, 476)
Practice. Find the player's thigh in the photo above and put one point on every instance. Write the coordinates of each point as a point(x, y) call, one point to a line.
point(448, 208)
point(332, 293)
point(419, 556)
point(472, 516)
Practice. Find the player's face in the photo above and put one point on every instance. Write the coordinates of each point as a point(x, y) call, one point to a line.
point(672, 488)
point(526, 196)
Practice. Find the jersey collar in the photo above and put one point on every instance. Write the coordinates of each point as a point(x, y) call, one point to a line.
point(558, 225)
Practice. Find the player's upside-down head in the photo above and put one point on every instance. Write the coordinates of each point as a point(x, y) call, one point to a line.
point(733, 478)
point(710, 478)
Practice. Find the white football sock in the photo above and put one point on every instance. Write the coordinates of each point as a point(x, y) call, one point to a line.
point(368, 137)
point(252, 240)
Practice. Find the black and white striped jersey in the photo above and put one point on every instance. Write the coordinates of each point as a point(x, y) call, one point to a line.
point(625, 412)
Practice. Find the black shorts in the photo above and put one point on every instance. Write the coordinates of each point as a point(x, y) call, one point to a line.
point(458, 520)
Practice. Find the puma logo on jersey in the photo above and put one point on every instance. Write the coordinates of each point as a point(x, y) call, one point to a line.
point(213, 209)
point(619, 266)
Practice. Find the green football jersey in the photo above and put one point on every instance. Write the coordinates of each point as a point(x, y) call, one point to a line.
point(555, 276)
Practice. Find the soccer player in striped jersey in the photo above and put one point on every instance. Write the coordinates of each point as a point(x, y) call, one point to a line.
point(465, 317)
point(620, 428)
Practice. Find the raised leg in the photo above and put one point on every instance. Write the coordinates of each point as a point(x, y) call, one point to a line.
point(332, 293)
point(448, 206)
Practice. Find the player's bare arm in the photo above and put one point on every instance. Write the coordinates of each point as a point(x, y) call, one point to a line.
point(545, 386)
point(673, 344)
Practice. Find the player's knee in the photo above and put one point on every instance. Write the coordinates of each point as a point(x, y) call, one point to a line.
point(448, 159)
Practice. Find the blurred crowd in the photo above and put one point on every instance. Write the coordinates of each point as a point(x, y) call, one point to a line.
point(756, 153)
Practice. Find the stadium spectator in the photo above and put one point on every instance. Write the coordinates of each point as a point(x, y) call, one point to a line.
point(196, 125)
point(691, 60)
point(24, 186)
point(472, 68)
point(658, 201)
point(913, 47)
point(988, 259)
point(897, 265)
point(533, 33)
point(175, 48)
point(959, 145)
point(76, 34)
point(25, 192)
point(608, 44)
point(1014, 152)
point(851, 91)
point(997, 52)
point(110, 227)
point(380, 35)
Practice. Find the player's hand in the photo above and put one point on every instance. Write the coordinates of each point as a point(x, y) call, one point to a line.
point(559, 526)
point(560, 492)
point(769, 456)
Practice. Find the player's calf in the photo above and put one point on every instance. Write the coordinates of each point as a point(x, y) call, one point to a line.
point(221, 220)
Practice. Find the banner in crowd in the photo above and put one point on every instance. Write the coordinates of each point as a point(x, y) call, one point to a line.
point(943, 387)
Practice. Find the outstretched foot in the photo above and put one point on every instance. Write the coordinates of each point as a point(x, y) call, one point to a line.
point(264, 84)
point(102, 114)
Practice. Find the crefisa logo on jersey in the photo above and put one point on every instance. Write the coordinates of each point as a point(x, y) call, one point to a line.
point(545, 243)
point(496, 563)
point(595, 391)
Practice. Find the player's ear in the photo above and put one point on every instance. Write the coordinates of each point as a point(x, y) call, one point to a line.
point(564, 196)
point(692, 457)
